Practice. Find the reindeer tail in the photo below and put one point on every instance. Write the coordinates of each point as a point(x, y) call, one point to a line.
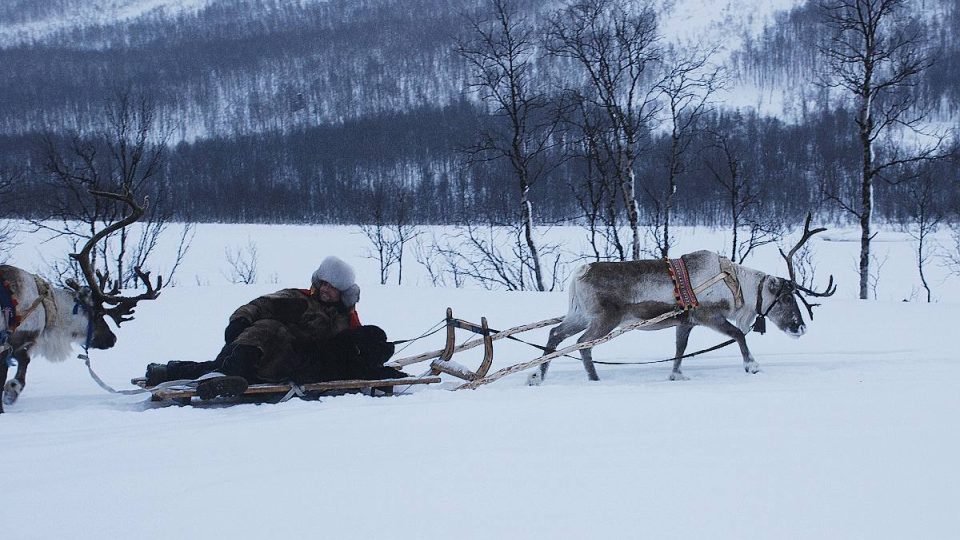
point(575, 307)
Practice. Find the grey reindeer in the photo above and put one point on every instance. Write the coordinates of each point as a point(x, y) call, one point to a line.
point(50, 320)
point(605, 295)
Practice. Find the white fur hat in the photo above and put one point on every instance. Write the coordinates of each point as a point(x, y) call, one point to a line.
point(335, 272)
point(339, 274)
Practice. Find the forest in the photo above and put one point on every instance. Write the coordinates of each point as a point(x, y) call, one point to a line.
point(486, 112)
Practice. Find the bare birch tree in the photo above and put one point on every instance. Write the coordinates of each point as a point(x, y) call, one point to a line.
point(596, 192)
point(495, 256)
point(876, 56)
point(926, 216)
point(688, 84)
point(743, 199)
point(615, 42)
point(501, 54)
point(243, 263)
point(8, 179)
point(389, 229)
point(125, 156)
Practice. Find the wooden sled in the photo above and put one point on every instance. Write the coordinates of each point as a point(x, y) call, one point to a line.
point(184, 395)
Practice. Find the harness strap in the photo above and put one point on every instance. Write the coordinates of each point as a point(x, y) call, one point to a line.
point(728, 275)
point(683, 290)
point(8, 308)
point(43, 292)
point(727, 267)
point(77, 306)
point(710, 283)
point(760, 324)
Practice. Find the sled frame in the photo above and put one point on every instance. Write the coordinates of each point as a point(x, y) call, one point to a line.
point(444, 363)
point(385, 386)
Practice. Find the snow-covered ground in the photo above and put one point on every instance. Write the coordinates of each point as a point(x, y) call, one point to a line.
point(848, 432)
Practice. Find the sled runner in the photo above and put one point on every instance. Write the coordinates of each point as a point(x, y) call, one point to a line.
point(184, 393)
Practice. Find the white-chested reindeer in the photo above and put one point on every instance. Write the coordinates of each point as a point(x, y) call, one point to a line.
point(605, 295)
point(52, 319)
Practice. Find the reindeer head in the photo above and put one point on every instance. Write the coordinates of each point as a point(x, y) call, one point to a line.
point(777, 300)
point(784, 311)
point(93, 299)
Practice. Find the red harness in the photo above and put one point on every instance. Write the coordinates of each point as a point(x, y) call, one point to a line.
point(8, 306)
point(682, 288)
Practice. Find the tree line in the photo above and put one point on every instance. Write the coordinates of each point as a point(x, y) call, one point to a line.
point(576, 112)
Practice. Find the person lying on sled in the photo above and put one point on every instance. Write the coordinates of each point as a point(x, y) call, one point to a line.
point(296, 335)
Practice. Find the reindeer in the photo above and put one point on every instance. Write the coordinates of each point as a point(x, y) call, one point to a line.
point(605, 295)
point(52, 319)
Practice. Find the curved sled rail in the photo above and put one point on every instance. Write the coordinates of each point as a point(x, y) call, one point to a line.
point(444, 364)
point(401, 362)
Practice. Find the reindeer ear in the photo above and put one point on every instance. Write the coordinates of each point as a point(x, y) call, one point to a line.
point(85, 295)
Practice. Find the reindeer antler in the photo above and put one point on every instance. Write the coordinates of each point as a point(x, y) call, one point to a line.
point(788, 257)
point(123, 306)
point(123, 311)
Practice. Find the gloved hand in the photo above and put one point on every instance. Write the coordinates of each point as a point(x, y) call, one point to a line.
point(234, 329)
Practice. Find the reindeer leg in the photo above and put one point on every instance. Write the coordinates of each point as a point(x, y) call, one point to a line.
point(725, 327)
point(13, 387)
point(5, 368)
point(562, 331)
point(597, 329)
point(683, 334)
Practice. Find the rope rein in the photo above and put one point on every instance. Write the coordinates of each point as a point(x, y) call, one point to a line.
point(433, 330)
point(570, 356)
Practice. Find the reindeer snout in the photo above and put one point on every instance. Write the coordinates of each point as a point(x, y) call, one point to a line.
point(104, 342)
point(801, 330)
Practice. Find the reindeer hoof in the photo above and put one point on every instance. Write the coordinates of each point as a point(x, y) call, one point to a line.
point(677, 376)
point(11, 391)
point(535, 378)
point(751, 367)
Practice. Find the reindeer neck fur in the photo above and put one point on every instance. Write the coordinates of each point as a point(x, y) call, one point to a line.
point(52, 327)
point(63, 328)
point(749, 284)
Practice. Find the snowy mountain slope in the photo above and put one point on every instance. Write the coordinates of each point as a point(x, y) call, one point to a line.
point(24, 22)
point(720, 22)
point(226, 67)
point(847, 432)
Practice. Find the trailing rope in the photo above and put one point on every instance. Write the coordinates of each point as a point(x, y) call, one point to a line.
point(546, 358)
point(85, 356)
point(688, 355)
